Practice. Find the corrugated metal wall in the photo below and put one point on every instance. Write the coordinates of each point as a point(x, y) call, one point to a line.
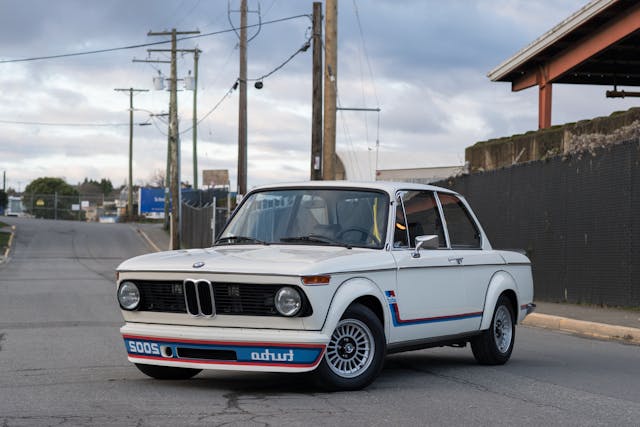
point(578, 218)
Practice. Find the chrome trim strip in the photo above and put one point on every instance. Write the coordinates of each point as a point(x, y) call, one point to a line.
point(443, 219)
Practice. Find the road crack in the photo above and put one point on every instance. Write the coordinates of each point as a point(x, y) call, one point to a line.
point(478, 387)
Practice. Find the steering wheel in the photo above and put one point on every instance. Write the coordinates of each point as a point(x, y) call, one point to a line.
point(365, 233)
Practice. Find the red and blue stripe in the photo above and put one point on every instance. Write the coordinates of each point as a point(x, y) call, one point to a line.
point(399, 321)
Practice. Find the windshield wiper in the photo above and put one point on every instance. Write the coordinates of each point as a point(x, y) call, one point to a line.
point(239, 239)
point(315, 238)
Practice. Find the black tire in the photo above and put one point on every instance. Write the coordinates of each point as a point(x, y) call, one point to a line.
point(167, 372)
point(355, 354)
point(494, 346)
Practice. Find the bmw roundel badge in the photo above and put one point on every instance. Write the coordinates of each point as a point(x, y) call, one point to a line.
point(198, 264)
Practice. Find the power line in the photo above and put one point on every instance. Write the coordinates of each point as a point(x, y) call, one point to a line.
point(366, 53)
point(214, 108)
point(303, 48)
point(18, 122)
point(137, 46)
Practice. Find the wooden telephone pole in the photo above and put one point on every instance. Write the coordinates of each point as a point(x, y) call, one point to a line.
point(242, 108)
point(330, 88)
point(130, 189)
point(174, 136)
point(316, 113)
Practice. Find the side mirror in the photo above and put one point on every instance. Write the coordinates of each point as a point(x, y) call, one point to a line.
point(430, 241)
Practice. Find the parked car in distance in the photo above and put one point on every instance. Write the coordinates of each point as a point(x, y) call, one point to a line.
point(327, 277)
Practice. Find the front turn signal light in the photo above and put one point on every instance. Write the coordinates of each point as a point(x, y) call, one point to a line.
point(316, 280)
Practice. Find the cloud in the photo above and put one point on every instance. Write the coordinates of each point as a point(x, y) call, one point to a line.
point(424, 65)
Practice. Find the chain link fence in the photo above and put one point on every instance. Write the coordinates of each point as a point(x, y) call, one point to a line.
point(575, 216)
point(204, 214)
point(55, 206)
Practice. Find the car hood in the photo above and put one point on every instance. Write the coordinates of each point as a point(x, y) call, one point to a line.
point(257, 259)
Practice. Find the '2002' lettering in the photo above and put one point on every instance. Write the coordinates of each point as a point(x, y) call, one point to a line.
point(143, 347)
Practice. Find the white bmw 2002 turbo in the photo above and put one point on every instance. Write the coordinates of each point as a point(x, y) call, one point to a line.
point(326, 277)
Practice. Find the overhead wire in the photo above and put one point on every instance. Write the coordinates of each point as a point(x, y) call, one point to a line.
point(20, 122)
point(366, 53)
point(375, 91)
point(351, 152)
point(303, 48)
point(140, 45)
point(181, 20)
point(214, 108)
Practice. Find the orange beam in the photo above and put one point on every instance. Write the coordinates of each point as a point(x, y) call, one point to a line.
point(579, 52)
point(524, 82)
point(544, 106)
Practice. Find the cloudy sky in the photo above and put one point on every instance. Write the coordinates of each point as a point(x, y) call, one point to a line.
point(422, 62)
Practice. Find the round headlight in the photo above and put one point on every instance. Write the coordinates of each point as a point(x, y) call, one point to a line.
point(288, 301)
point(128, 295)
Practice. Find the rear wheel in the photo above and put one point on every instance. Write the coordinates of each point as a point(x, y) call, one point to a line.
point(355, 354)
point(167, 372)
point(494, 346)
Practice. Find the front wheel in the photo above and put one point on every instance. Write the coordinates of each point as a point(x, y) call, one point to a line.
point(494, 346)
point(355, 354)
point(167, 372)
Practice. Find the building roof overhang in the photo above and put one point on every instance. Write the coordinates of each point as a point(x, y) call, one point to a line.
point(598, 44)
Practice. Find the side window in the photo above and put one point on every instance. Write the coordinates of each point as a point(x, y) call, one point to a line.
point(463, 232)
point(422, 216)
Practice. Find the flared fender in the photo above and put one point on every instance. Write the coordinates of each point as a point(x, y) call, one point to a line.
point(500, 282)
point(347, 293)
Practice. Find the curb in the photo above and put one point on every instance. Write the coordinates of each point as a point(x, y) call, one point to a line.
point(8, 250)
point(582, 327)
point(147, 239)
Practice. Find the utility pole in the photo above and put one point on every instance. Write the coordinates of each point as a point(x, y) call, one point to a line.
point(167, 175)
point(174, 140)
point(194, 129)
point(316, 113)
point(242, 107)
point(330, 88)
point(130, 190)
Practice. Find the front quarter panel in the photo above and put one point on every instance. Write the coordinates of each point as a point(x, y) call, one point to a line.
point(349, 291)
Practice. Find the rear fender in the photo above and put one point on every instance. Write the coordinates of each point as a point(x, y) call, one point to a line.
point(349, 291)
point(500, 282)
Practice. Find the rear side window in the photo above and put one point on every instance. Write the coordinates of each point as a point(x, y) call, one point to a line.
point(421, 217)
point(463, 232)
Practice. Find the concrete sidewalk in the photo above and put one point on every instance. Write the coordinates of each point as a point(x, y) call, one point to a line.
point(154, 234)
point(591, 321)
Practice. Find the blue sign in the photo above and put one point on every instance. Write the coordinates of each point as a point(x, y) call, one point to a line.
point(151, 200)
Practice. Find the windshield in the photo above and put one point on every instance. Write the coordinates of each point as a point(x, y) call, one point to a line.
point(338, 217)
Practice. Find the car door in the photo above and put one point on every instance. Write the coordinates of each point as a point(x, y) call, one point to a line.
point(439, 290)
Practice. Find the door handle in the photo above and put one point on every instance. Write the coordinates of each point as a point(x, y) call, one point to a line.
point(457, 260)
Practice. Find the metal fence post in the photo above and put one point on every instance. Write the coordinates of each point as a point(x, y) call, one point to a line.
point(213, 222)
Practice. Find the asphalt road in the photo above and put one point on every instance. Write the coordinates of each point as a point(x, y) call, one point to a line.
point(62, 362)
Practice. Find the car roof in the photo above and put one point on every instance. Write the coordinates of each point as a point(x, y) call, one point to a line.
point(390, 187)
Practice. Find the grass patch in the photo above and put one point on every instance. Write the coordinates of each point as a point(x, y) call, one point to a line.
point(4, 240)
point(3, 224)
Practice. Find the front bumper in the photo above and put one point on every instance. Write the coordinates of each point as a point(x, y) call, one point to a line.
point(224, 348)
